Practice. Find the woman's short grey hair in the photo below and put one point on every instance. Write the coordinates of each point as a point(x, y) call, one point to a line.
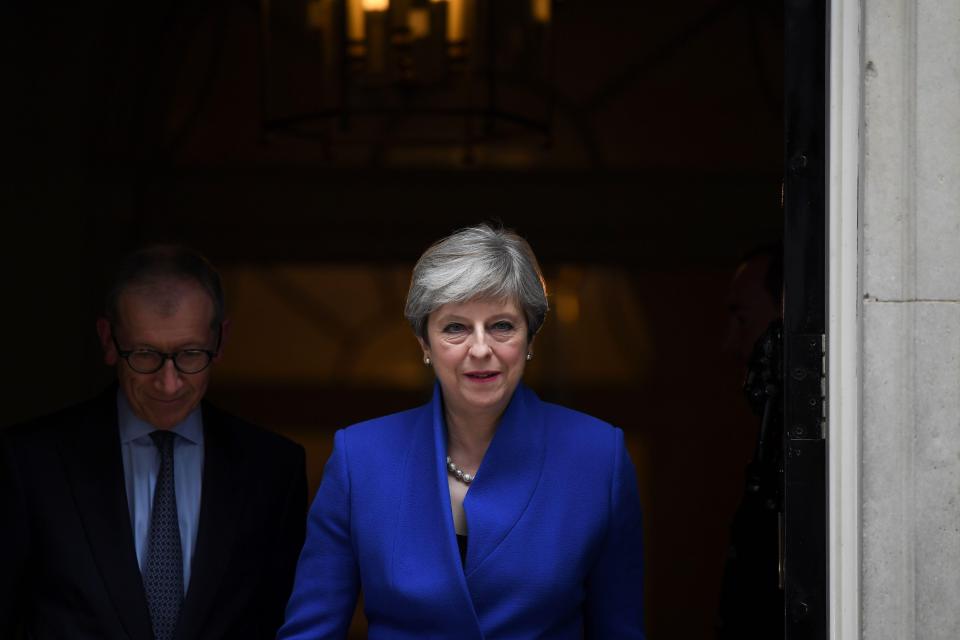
point(475, 263)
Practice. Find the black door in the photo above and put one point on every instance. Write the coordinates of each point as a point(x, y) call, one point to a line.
point(804, 526)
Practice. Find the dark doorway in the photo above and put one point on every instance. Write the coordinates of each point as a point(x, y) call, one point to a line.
point(661, 167)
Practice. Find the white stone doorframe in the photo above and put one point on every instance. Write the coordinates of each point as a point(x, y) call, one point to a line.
point(845, 126)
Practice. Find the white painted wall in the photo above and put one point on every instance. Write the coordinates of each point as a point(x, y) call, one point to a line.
point(909, 322)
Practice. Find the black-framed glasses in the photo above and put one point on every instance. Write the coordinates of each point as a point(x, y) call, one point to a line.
point(150, 360)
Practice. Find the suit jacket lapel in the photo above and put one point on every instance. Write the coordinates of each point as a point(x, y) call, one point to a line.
point(93, 462)
point(220, 507)
point(507, 477)
point(426, 543)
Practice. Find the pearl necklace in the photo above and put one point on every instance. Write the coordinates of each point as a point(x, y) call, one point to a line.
point(457, 472)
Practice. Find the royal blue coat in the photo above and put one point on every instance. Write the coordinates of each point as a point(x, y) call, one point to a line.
point(554, 525)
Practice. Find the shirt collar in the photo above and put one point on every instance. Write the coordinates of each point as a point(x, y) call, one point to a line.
point(132, 426)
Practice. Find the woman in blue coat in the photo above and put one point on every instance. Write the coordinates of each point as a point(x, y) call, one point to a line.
point(485, 513)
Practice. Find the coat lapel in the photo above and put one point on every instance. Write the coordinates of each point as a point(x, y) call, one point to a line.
point(220, 507)
point(507, 477)
point(92, 458)
point(427, 558)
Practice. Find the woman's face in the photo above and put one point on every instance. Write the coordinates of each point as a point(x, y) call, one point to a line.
point(478, 350)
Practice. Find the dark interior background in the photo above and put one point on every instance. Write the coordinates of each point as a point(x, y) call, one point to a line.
point(127, 123)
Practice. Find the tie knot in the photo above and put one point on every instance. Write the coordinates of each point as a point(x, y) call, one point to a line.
point(163, 440)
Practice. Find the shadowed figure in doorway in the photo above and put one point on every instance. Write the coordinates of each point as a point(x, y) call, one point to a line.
point(751, 598)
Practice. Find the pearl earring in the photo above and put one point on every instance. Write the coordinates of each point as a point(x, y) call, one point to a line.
point(426, 360)
point(529, 356)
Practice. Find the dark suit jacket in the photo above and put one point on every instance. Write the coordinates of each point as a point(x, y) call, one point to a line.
point(68, 567)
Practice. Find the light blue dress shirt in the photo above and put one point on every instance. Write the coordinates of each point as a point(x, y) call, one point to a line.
point(141, 463)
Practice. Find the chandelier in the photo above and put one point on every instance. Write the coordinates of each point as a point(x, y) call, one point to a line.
point(408, 72)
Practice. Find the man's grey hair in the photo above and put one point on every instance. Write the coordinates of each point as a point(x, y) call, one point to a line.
point(475, 263)
point(153, 266)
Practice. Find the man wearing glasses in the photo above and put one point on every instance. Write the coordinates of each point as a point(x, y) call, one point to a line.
point(146, 513)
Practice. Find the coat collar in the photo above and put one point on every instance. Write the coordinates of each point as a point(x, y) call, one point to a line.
point(221, 504)
point(506, 479)
point(497, 498)
point(91, 457)
point(426, 558)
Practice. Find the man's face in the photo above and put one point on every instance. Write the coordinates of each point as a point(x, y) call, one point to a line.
point(168, 319)
point(750, 307)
